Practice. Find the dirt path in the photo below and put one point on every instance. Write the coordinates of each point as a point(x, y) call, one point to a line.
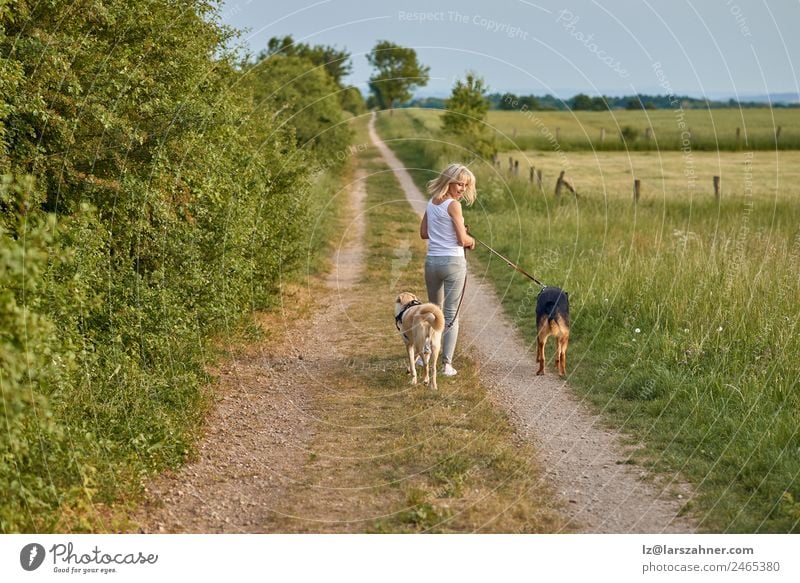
point(250, 472)
point(587, 463)
point(257, 436)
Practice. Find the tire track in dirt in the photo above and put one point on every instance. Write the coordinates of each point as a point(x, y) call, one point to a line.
point(587, 463)
point(257, 435)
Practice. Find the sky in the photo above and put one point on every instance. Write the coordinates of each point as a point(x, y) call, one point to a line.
point(713, 48)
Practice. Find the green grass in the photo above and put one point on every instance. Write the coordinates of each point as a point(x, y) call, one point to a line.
point(709, 383)
point(711, 129)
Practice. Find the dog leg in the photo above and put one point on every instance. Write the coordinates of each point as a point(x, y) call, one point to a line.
point(542, 332)
point(541, 340)
point(436, 346)
point(540, 355)
point(412, 367)
point(426, 358)
point(563, 342)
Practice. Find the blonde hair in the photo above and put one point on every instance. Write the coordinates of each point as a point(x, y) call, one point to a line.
point(437, 187)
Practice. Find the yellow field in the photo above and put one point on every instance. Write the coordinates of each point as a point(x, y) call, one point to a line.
point(760, 174)
point(711, 126)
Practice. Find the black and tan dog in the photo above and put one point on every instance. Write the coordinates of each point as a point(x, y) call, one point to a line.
point(552, 318)
point(420, 324)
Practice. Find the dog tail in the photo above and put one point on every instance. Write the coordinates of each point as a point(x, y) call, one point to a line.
point(559, 326)
point(435, 320)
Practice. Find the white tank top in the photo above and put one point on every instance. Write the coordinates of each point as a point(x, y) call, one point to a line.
point(442, 240)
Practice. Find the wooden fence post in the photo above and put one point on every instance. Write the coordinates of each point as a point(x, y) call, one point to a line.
point(532, 174)
point(778, 132)
point(648, 133)
point(602, 135)
point(738, 133)
point(510, 164)
point(716, 187)
point(558, 134)
point(516, 167)
point(637, 190)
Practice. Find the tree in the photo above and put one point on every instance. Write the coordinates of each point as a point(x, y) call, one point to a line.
point(465, 117)
point(308, 100)
point(508, 102)
point(636, 103)
point(467, 105)
point(529, 102)
point(352, 100)
point(581, 101)
point(336, 62)
point(398, 73)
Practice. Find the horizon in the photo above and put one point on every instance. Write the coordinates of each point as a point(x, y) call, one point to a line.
point(566, 94)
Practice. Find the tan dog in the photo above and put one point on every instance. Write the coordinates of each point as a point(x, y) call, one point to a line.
point(420, 324)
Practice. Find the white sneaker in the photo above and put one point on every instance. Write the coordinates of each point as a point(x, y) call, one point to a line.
point(449, 371)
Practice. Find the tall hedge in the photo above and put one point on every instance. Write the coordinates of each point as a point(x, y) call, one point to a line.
point(146, 204)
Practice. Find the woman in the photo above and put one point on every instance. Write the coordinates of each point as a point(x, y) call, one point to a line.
point(445, 265)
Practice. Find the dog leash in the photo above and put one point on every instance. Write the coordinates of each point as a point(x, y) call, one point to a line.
point(508, 261)
point(464, 287)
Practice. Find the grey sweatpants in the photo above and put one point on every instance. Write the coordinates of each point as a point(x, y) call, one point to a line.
point(444, 278)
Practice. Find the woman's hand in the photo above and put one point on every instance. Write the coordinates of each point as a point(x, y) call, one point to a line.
point(469, 241)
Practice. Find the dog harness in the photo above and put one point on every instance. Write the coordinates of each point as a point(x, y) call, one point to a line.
point(398, 319)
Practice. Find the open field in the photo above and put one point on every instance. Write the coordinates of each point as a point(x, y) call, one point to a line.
point(754, 175)
point(684, 308)
point(711, 129)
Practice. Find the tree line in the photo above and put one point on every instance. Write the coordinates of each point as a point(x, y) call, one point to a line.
point(583, 102)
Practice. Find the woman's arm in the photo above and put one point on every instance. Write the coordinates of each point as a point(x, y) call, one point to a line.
point(423, 227)
point(454, 210)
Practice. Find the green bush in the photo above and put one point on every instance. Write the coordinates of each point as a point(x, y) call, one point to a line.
point(149, 203)
point(305, 97)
